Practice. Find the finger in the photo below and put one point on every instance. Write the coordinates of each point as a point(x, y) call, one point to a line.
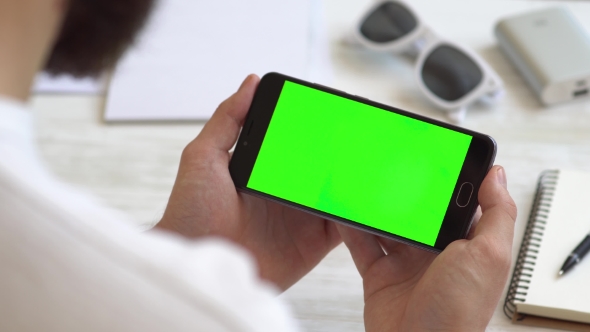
point(390, 246)
point(498, 208)
point(476, 219)
point(333, 237)
point(222, 130)
point(405, 259)
point(364, 247)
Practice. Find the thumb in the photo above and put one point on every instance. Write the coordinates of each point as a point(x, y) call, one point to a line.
point(498, 208)
point(222, 130)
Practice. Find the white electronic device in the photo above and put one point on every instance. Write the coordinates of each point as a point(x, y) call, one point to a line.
point(551, 50)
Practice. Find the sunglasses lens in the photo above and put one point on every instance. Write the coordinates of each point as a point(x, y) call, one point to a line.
point(388, 22)
point(450, 74)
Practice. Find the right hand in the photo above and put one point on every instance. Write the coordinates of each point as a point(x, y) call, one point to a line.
point(409, 289)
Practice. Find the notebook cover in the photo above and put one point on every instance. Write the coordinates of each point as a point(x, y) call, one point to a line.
point(534, 240)
point(536, 321)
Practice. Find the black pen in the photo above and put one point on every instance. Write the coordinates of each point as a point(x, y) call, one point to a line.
point(576, 256)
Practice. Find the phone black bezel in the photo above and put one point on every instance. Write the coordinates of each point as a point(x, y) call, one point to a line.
point(457, 221)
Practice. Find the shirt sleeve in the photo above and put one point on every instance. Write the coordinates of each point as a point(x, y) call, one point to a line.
point(71, 264)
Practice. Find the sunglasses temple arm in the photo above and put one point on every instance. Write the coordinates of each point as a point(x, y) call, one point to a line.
point(457, 116)
point(493, 97)
point(349, 38)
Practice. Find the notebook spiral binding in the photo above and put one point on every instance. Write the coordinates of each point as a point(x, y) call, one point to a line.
point(527, 255)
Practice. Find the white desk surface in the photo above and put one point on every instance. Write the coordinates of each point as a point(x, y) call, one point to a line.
point(132, 167)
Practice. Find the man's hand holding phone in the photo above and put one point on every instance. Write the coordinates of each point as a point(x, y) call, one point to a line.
point(408, 289)
point(405, 288)
point(287, 243)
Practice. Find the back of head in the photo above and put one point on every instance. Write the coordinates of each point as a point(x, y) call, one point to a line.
point(95, 34)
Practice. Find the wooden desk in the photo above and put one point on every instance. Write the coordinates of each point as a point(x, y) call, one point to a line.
point(132, 167)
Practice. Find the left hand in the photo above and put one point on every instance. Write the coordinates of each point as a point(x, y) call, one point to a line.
point(287, 243)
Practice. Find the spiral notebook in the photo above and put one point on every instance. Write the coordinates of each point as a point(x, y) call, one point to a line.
point(559, 220)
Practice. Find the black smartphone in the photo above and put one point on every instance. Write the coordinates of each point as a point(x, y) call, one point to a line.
point(361, 163)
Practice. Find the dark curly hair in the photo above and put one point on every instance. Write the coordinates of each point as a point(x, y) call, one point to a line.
point(95, 34)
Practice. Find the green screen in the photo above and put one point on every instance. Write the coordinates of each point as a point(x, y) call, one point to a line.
point(359, 162)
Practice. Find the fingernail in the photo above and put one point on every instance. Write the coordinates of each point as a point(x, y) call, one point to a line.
point(501, 177)
point(246, 81)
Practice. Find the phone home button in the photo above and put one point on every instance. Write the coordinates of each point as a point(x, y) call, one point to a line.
point(465, 193)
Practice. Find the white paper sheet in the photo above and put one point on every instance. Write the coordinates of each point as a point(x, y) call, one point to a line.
point(65, 84)
point(195, 54)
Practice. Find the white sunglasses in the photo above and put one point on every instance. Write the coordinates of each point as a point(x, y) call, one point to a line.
point(450, 75)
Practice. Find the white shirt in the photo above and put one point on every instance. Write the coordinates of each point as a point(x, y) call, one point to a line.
point(67, 263)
